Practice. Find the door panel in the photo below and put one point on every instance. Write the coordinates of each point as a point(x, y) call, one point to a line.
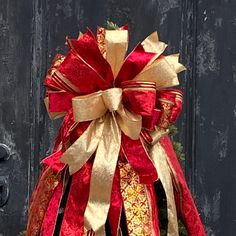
point(32, 32)
point(15, 112)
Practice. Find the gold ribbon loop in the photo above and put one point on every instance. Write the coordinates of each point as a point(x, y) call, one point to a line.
point(82, 149)
point(116, 47)
point(95, 105)
point(129, 123)
point(112, 98)
point(88, 107)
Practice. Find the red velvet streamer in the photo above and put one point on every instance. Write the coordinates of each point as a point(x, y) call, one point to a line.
point(54, 162)
point(139, 159)
point(73, 220)
point(51, 214)
point(154, 209)
point(187, 208)
point(116, 204)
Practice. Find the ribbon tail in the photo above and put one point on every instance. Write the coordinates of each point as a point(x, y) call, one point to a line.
point(187, 209)
point(83, 148)
point(159, 158)
point(139, 159)
point(48, 182)
point(115, 205)
point(103, 172)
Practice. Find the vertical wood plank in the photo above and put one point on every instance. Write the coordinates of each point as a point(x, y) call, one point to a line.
point(15, 123)
point(215, 115)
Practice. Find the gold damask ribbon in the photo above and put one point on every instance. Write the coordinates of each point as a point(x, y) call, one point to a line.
point(159, 158)
point(102, 137)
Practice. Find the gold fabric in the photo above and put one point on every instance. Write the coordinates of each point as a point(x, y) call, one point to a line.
point(136, 203)
point(173, 60)
point(161, 72)
point(159, 158)
point(116, 47)
point(153, 45)
point(40, 199)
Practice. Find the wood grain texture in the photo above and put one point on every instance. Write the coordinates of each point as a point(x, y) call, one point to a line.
point(15, 122)
point(215, 115)
point(32, 32)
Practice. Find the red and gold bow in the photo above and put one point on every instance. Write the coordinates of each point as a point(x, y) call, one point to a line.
point(115, 102)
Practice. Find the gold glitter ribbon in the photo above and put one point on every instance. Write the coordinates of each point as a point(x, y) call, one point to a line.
point(102, 137)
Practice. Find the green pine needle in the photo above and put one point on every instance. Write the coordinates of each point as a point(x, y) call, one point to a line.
point(23, 233)
point(112, 26)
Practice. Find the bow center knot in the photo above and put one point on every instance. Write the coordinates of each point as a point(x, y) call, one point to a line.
point(112, 98)
point(95, 105)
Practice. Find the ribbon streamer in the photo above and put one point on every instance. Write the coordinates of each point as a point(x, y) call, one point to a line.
point(159, 158)
point(103, 136)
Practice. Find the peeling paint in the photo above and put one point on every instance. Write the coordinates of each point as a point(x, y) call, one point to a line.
point(234, 72)
point(206, 54)
point(218, 22)
point(165, 6)
point(65, 8)
point(216, 206)
point(7, 138)
point(234, 111)
point(211, 207)
point(221, 143)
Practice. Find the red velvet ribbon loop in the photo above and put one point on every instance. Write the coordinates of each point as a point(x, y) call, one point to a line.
point(59, 101)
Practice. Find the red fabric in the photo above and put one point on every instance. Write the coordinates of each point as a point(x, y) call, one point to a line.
point(116, 204)
point(139, 159)
point(133, 64)
point(73, 220)
point(149, 122)
point(81, 75)
point(141, 102)
point(54, 162)
point(154, 209)
point(186, 206)
point(50, 217)
point(87, 48)
point(52, 84)
point(175, 97)
point(59, 101)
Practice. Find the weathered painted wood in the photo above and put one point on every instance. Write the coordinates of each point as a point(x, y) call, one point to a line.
point(215, 115)
point(32, 32)
point(15, 110)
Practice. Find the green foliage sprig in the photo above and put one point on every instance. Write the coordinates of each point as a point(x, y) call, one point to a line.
point(111, 25)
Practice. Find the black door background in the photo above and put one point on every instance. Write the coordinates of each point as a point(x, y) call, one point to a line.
point(204, 32)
